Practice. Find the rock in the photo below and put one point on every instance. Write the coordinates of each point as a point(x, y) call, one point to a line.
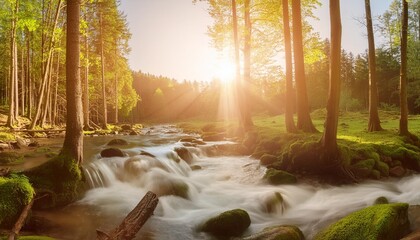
point(363, 168)
point(10, 157)
point(196, 167)
point(144, 153)
point(189, 140)
point(187, 144)
point(383, 221)
point(22, 142)
point(267, 159)
point(375, 174)
point(230, 223)
point(277, 177)
point(383, 168)
point(134, 133)
point(117, 141)
point(381, 200)
point(414, 217)
point(412, 236)
point(278, 233)
point(33, 144)
point(274, 203)
point(184, 154)
point(126, 127)
point(112, 152)
point(198, 142)
point(397, 171)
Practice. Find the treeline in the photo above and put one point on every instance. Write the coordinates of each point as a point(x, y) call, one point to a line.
point(32, 67)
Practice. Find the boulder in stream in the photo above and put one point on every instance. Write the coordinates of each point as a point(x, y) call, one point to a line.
point(277, 233)
point(267, 159)
point(277, 177)
point(112, 152)
point(117, 141)
point(227, 224)
point(382, 221)
point(184, 154)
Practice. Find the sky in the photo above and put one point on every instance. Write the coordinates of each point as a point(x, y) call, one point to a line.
point(169, 37)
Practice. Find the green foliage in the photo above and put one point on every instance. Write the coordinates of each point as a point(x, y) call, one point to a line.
point(15, 193)
point(4, 136)
point(383, 221)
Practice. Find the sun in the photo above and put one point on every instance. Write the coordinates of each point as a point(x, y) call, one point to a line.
point(224, 70)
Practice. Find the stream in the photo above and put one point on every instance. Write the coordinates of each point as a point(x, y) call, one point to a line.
point(223, 183)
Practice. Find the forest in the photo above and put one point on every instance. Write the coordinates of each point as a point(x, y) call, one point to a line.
point(308, 140)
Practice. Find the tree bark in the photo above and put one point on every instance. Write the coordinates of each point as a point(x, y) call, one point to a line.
point(133, 221)
point(403, 129)
point(116, 85)
point(329, 138)
point(104, 109)
point(73, 142)
point(304, 121)
point(290, 123)
point(374, 123)
point(86, 115)
point(246, 84)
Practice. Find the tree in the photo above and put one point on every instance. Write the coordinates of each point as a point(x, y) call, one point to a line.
point(290, 124)
point(101, 36)
point(329, 138)
point(374, 123)
point(403, 129)
point(304, 121)
point(73, 142)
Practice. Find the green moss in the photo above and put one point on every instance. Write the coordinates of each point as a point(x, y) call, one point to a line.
point(10, 158)
point(277, 177)
point(60, 178)
point(382, 167)
point(43, 150)
point(283, 232)
point(4, 136)
point(383, 221)
point(15, 193)
point(375, 174)
point(229, 223)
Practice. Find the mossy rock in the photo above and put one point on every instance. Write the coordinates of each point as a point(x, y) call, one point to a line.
point(15, 193)
point(383, 221)
point(382, 167)
point(381, 200)
point(117, 142)
point(184, 154)
point(112, 152)
point(283, 232)
point(277, 177)
point(230, 223)
point(10, 157)
point(363, 168)
point(60, 179)
point(375, 174)
point(268, 159)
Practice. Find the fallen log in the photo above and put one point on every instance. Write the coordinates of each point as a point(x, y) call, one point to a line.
point(21, 220)
point(133, 221)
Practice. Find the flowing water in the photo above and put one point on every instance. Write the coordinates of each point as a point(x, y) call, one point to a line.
point(223, 183)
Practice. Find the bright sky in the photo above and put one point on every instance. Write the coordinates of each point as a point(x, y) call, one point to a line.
point(169, 37)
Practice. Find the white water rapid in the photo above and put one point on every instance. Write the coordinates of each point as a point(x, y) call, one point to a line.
point(222, 183)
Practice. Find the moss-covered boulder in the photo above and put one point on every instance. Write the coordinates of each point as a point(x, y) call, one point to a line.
point(383, 168)
point(117, 142)
point(10, 158)
point(267, 159)
point(381, 200)
point(274, 203)
point(227, 224)
point(283, 232)
point(60, 179)
point(277, 177)
point(363, 168)
point(383, 221)
point(15, 193)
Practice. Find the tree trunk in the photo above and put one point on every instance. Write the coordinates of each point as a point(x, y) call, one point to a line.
point(374, 123)
point(54, 104)
point(329, 138)
point(403, 73)
point(13, 76)
point(304, 121)
point(28, 77)
point(86, 115)
point(246, 85)
point(236, 42)
point(73, 142)
point(104, 110)
point(22, 82)
point(288, 116)
point(116, 85)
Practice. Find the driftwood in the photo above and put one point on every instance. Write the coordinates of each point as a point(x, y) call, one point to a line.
point(21, 220)
point(133, 221)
